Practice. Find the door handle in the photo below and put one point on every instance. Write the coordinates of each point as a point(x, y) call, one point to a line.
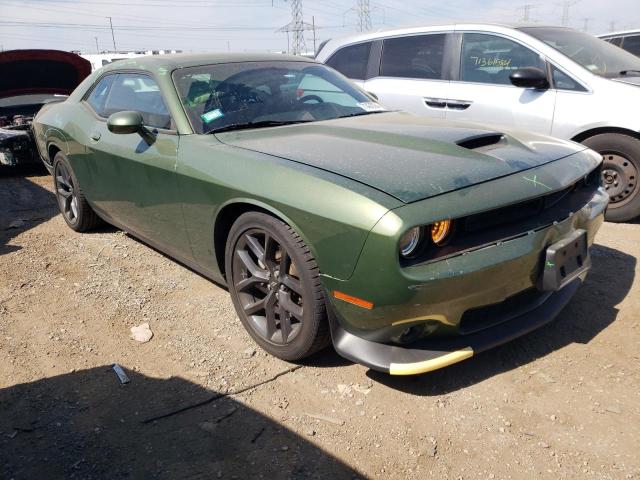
point(459, 104)
point(435, 102)
point(95, 136)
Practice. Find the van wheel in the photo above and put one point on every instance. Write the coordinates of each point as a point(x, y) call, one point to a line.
point(619, 173)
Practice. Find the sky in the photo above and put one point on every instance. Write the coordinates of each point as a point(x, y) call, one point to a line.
point(252, 25)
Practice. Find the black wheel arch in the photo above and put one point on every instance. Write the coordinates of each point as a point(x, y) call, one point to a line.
point(582, 136)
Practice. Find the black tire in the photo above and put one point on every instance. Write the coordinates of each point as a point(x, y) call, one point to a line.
point(620, 173)
point(263, 295)
point(72, 203)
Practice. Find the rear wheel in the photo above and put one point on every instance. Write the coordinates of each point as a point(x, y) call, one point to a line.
point(620, 173)
point(73, 205)
point(275, 286)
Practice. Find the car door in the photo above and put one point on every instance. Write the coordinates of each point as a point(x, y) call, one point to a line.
point(483, 93)
point(134, 182)
point(413, 74)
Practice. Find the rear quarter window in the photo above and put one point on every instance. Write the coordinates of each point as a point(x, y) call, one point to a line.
point(352, 60)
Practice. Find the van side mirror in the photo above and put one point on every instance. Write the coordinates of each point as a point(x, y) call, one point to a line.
point(529, 77)
point(127, 122)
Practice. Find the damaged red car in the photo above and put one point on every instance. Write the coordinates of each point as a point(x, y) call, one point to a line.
point(28, 80)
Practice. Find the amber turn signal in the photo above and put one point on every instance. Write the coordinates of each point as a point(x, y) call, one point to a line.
point(440, 231)
point(354, 300)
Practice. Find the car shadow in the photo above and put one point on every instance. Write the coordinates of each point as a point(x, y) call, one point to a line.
point(88, 425)
point(591, 310)
point(25, 204)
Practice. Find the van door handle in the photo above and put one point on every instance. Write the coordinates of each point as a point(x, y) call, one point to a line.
point(95, 136)
point(436, 102)
point(459, 104)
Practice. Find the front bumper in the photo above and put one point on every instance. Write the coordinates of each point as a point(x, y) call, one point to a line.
point(432, 354)
point(436, 298)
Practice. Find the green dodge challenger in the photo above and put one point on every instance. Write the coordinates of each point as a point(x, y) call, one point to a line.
point(410, 243)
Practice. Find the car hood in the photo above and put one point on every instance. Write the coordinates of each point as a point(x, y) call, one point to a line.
point(41, 72)
point(408, 157)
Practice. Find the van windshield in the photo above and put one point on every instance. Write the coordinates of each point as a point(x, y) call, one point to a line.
point(596, 55)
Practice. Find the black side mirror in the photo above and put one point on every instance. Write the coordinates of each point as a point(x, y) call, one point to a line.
point(529, 77)
point(127, 122)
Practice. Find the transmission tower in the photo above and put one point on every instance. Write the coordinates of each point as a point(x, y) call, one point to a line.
point(364, 15)
point(526, 11)
point(565, 11)
point(297, 26)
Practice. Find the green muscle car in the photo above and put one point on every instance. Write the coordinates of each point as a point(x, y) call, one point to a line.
point(410, 243)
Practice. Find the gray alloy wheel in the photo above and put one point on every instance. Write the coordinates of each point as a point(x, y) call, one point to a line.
point(275, 286)
point(73, 205)
point(66, 194)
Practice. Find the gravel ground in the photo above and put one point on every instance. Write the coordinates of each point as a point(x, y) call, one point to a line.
point(562, 402)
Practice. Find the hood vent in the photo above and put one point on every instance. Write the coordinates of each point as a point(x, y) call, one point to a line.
point(481, 141)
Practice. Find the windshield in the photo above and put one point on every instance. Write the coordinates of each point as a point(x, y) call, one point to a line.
point(594, 54)
point(259, 94)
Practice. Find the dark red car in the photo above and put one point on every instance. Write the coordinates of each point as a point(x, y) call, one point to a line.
point(28, 80)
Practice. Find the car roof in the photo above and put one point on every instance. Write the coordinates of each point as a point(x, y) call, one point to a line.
point(353, 38)
point(622, 33)
point(170, 62)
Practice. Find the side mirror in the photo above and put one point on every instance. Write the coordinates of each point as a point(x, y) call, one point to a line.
point(529, 77)
point(127, 122)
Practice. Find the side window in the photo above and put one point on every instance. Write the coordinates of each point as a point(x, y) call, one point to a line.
point(617, 41)
point(562, 81)
point(351, 61)
point(99, 93)
point(413, 57)
point(131, 91)
point(632, 44)
point(491, 59)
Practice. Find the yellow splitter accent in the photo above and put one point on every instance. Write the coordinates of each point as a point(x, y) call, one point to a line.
point(429, 365)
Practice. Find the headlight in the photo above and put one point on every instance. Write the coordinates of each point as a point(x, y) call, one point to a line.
point(410, 241)
point(440, 231)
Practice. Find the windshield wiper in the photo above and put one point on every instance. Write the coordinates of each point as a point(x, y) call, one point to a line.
point(263, 123)
point(627, 72)
point(357, 114)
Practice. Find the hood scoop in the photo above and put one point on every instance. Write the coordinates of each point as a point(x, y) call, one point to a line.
point(482, 141)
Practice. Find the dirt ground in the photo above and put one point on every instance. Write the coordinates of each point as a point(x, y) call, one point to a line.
point(562, 402)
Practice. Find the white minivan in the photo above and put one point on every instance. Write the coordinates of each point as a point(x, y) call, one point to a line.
point(550, 80)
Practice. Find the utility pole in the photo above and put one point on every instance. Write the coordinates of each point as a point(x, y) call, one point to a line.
point(113, 36)
point(585, 27)
point(565, 11)
point(97, 47)
point(297, 26)
point(612, 26)
point(313, 27)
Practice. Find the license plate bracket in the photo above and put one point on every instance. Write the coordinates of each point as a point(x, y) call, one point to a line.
point(564, 261)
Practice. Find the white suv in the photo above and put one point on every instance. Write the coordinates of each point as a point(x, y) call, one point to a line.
point(550, 80)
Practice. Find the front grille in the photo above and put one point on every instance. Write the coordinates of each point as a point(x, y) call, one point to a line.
point(501, 224)
point(488, 316)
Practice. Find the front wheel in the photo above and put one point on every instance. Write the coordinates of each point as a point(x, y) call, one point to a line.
point(620, 171)
point(274, 283)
